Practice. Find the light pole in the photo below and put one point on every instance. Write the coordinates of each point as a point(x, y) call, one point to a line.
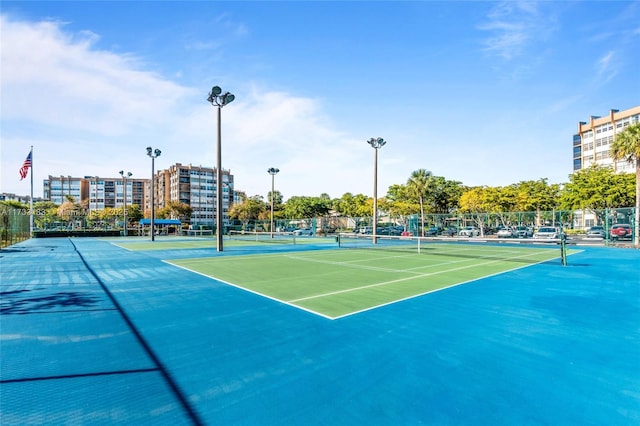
point(219, 99)
point(124, 209)
point(153, 154)
point(376, 143)
point(273, 171)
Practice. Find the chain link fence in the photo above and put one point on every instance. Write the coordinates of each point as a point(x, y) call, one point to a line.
point(14, 225)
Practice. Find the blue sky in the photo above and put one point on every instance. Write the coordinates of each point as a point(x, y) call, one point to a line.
point(485, 93)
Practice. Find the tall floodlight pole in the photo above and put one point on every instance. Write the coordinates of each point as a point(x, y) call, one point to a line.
point(219, 99)
point(376, 143)
point(124, 209)
point(273, 171)
point(153, 154)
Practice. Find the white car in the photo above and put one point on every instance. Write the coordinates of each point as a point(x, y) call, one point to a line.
point(523, 232)
point(505, 233)
point(469, 231)
point(306, 231)
point(547, 233)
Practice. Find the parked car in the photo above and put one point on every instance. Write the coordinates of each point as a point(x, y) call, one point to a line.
point(306, 231)
point(505, 233)
point(620, 231)
point(596, 232)
point(451, 231)
point(390, 230)
point(432, 232)
point(469, 231)
point(524, 232)
point(547, 233)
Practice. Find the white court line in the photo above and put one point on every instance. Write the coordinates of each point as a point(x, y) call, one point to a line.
point(318, 296)
point(248, 290)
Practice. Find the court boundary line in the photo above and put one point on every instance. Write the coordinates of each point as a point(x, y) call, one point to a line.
point(422, 275)
point(284, 302)
point(289, 303)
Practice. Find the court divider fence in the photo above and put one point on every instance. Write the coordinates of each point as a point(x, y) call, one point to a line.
point(14, 223)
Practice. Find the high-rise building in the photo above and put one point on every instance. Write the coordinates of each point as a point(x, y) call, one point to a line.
point(194, 186)
point(98, 193)
point(592, 143)
point(57, 188)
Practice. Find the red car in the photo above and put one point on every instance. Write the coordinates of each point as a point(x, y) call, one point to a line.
point(620, 231)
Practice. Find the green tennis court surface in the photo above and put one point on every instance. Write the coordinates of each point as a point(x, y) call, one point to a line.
point(337, 283)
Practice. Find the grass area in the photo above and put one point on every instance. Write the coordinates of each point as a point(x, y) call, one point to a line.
point(336, 283)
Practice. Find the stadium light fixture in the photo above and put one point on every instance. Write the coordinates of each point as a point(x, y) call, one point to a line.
point(376, 144)
point(219, 99)
point(124, 209)
point(153, 154)
point(273, 171)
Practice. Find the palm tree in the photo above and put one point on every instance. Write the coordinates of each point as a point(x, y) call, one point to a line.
point(418, 186)
point(626, 146)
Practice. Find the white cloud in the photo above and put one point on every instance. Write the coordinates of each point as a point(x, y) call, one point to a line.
point(514, 25)
point(606, 68)
point(93, 112)
point(54, 79)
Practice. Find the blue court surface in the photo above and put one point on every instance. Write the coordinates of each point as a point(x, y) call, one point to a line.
point(95, 334)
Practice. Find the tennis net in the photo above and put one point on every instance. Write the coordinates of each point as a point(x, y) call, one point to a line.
point(516, 250)
point(263, 237)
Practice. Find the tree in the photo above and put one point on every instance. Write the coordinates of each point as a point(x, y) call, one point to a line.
point(306, 207)
point(175, 210)
point(44, 213)
point(626, 146)
point(277, 198)
point(249, 209)
point(536, 196)
point(134, 213)
point(356, 207)
point(478, 201)
point(418, 186)
point(446, 194)
point(597, 189)
point(398, 202)
point(70, 210)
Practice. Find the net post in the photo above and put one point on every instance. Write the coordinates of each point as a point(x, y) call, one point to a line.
point(563, 250)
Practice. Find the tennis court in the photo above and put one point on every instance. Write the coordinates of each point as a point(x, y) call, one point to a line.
point(336, 283)
point(95, 333)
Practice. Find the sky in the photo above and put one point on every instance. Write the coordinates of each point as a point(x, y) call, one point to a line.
point(484, 93)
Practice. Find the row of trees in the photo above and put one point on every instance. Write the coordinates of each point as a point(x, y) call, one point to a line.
point(594, 189)
point(71, 213)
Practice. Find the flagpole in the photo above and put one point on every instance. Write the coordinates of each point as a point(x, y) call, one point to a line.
point(31, 199)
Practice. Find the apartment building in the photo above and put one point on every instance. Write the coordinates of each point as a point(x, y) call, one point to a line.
point(195, 186)
point(57, 188)
point(592, 143)
point(96, 192)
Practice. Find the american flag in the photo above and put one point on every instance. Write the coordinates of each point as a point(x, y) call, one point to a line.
point(24, 170)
